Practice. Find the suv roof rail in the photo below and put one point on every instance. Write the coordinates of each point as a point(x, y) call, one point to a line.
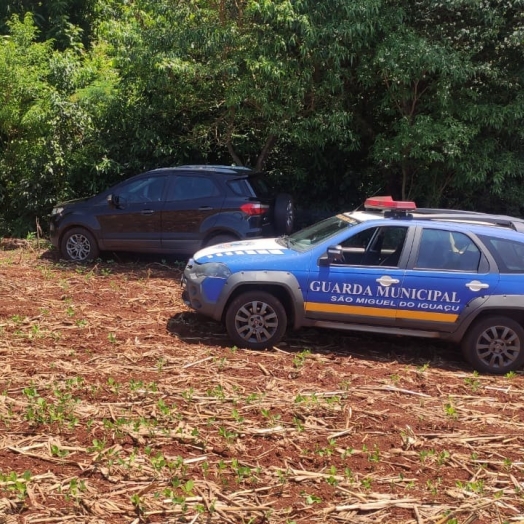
point(470, 216)
point(217, 168)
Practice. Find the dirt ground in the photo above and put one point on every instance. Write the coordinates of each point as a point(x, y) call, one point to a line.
point(120, 405)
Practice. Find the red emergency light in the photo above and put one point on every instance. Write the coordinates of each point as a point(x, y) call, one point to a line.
point(387, 202)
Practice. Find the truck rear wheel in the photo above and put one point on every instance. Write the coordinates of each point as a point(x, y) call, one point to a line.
point(495, 345)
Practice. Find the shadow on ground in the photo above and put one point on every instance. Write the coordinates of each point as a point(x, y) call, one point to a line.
point(193, 328)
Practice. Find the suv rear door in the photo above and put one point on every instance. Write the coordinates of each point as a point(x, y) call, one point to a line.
point(192, 203)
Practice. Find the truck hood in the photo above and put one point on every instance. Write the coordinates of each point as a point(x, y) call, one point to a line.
point(257, 248)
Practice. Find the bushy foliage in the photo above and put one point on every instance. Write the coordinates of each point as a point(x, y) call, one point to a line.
point(335, 99)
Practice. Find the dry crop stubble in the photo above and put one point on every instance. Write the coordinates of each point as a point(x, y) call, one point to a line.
point(119, 405)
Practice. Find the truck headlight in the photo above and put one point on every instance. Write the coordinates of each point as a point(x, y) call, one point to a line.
point(212, 269)
point(57, 211)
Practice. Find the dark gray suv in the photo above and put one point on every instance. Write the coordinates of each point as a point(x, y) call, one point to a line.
point(176, 210)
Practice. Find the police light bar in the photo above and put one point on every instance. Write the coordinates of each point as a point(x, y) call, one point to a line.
point(387, 203)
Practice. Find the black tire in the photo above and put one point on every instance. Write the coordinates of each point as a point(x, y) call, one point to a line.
point(79, 245)
point(221, 239)
point(494, 345)
point(284, 214)
point(256, 320)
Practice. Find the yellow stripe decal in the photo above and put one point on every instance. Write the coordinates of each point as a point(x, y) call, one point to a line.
point(319, 307)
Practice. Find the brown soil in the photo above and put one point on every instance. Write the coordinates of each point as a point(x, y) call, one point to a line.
point(120, 405)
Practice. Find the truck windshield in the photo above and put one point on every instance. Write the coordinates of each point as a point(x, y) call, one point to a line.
point(310, 236)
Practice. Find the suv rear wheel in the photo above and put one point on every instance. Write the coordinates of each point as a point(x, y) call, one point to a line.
point(284, 214)
point(256, 320)
point(495, 345)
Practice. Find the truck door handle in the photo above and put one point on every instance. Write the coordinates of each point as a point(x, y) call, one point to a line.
point(476, 285)
point(205, 208)
point(147, 212)
point(386, 281)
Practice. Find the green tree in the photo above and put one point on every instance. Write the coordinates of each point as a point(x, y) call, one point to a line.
point(447, 86)
point(50, 102)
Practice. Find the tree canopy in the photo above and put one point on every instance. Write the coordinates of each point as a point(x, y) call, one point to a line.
point(335, 99)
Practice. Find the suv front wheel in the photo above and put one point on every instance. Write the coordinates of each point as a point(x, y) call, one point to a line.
point(495, 345)
point(79, 245)
point(256, 320)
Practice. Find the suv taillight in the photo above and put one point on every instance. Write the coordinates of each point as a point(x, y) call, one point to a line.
point(254, 208)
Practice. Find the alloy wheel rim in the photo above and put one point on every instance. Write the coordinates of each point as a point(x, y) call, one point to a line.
point(498, 346)
point(256, 321)
point(78, 247)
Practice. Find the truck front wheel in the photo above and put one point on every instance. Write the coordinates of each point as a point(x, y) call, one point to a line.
point(256, 320)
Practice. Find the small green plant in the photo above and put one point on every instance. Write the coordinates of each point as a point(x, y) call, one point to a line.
point(217, 392)
point(347, 453)
point(450, 410)
point(433, 485)
point(366, 483)
point(374, 456)
point(310, 498)
point(56, 451)
point(98, 446)
point(332, 480)
point(16, 484)
point(395, 378)
point(422, 369)
point(237, 417)
point(137, 502)
point(299, 424)
point(475, 486)
point(473, 382)
point(300, 358)
point(282, 476)
point(443, 457)
point(425, 453)
point(272, 417)
point(160, 363)
point(112, 338)
point(348, 473)
point(229, 435)
point(75, 488)
point(114, 386)
point(188, 394)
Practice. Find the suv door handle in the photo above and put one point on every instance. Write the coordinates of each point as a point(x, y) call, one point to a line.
point(386, 281)
point(205, 208)
point(147, 212)
point(476, 285)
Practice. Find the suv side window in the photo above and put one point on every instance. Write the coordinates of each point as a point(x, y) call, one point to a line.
point(440, 249)
point(509, 254)
point(143, 190)
point(376, 246)
point(192, 187)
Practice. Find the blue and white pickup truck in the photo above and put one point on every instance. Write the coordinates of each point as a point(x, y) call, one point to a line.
point(389, 268)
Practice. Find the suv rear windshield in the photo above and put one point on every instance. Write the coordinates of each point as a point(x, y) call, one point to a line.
point(252, 186)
